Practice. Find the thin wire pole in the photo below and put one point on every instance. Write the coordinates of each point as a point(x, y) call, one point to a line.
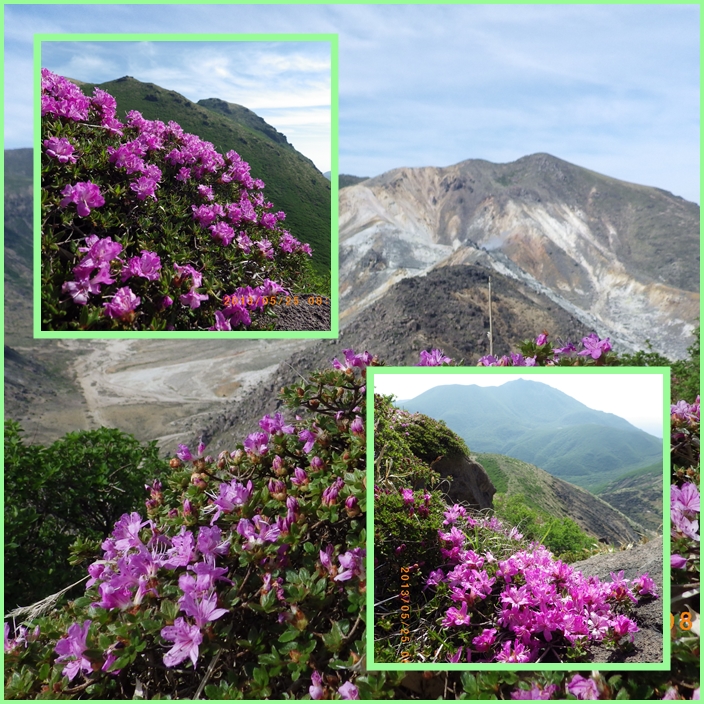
point(491, 328)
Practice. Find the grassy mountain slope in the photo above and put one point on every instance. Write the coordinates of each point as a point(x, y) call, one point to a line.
point(558, 498)
point(541, 425)
point(587, 454)
point(638, 494)
point(293, 184)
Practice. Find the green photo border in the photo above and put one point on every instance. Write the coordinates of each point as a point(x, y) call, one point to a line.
point(188, 334)
point(372, 373)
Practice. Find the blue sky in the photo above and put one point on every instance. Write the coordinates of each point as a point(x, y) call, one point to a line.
point(614, 88)
point(636, 397)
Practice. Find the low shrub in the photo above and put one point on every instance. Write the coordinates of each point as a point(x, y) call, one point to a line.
point(74, 489)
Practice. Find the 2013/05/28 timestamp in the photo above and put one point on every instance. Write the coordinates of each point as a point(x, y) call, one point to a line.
point(275, 300)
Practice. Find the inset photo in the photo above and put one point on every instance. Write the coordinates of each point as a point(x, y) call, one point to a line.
point(184, 185)
point(515, 519)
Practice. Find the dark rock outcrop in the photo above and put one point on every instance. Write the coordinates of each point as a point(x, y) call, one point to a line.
point(470, 482)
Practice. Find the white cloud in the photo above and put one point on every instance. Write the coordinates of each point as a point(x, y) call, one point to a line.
point(437, 84)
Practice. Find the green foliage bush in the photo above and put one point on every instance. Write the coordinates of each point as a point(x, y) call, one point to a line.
point(75, 489)
point(562, 536)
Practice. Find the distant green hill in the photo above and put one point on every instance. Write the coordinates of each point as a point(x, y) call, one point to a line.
point(544, 492)
point(638, 494)
point(293, 184)
point(539, 424)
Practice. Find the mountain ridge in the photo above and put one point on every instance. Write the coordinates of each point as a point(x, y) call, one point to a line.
point(541, 425)
point(604, 248)
point(559, 498)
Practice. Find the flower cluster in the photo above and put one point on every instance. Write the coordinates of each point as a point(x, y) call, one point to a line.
point(259, 547)
point(172, 193)
point(540, 352)
point(526, 606)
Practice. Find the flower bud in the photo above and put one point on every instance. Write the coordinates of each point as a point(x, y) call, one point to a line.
point(352, 507)
point(175, 463)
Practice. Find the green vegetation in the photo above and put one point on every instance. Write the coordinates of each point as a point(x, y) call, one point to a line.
point(684, 382)
point(499, 478)
point(73, 490)
point(562, 536)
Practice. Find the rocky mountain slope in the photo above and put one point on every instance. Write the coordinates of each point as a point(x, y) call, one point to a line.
point(445, 309)
point(638, 494)
point(559, 498)
point(621, 257)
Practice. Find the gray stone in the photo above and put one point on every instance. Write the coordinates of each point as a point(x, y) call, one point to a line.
point(470, 483)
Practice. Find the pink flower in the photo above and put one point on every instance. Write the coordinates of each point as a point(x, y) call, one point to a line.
point(71, 649)
point(193, 299)
point(685, 498)
point(484, 641)
point(147, 266)
point(357, 426)
point(85, 195)
point(186, 638)
point(221, 232)
point(352, 565)
point(60, 149)
point(594, 347)
point(122, 305)
point(456, 617)
point(256, 444)
point(144, 187)
point(435, 358)
point(348, 691)
point(257, 531)
point(583, 688)
point(203, 611)
point(677, 562)
point(644, 585)
point(316, 690)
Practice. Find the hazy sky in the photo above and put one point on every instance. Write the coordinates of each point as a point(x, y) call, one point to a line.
point(613, 88)
point(636, 397)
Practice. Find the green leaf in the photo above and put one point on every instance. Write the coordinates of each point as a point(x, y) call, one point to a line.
point(289, 635)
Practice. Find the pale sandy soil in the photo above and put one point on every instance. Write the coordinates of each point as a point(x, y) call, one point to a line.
point(153, 389)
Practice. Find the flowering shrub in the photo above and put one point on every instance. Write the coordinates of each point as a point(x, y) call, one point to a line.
point(518, 605)
point(245, 578)
point(147, 227)
point(481, 593)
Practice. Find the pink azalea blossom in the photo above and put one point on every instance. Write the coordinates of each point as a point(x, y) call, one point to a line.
point(186, 638)
point(60, 149)
point(85, 195)
point(71, 649)
point(434, 358)
point(348, 691)
point(122, 305)
point(583, 687)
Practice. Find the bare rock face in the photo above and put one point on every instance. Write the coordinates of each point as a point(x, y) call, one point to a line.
point(619, 256)
point(470, 482)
